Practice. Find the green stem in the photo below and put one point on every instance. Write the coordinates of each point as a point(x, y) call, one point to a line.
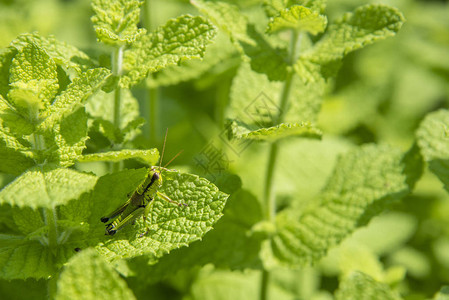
point(117, 62)
point(264, 285)
point(152, 92)
point(52, 286)
point(153, 113)
point(50, 221)
point(269, 195)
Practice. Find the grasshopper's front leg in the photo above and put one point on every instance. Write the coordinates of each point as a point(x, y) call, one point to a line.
point(166, 198)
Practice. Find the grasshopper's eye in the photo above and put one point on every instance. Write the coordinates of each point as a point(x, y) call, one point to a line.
point(155, 177)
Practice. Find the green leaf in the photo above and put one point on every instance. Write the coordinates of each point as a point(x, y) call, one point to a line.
point(149, 157)
point(362, 287)
point(88, 276)
point(226, 16)
point(443, 294)
point(231, 244)
point(33, 81)
point(171, 226)
point(264, 57)
point(63, 54)
point(364, 181)
point(255, 100)
point(299, 18)
point(76, 93)
point(433, 140)
point(219, 55)
point(180, 39)
point(38, 188)
point(115, 22)
point(272, 134)
point(100, 107)
point(15, 152)
point(25, 260)
point(364, 26)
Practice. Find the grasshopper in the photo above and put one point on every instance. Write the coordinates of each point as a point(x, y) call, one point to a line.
point(139, 204)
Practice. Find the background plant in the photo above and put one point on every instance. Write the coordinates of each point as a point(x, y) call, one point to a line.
point(303, 175)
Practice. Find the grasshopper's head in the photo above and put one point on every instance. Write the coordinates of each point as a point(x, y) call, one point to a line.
point(155, 177)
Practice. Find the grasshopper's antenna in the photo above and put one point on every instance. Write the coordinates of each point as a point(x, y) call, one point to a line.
point(163, 150)
point(173, 158)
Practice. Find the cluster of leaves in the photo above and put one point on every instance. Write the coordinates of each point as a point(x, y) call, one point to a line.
point(298, 100)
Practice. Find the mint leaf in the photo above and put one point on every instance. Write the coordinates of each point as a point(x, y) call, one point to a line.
point(179, 39)
point(264, 57)
point(433, 140)
point(100, 107)
point(255, 100)
point(443, 294)
point(299, 18)
point(355, 30)
point(115, 22)
point(149, 157)
point(39, 188)
point(33, 81)
point(87, 275)
point(231, 244)
point(171, 226)
point(364, 180)
point(361, 286)
point(226, 16)
point(272, 134)
point(76, 93)
point(63, 54)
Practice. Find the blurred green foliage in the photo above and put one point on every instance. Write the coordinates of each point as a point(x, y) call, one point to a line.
point(392, 92)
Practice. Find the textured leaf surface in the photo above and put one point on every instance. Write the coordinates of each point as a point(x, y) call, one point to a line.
point(355, 30)
point(230, 245)
point(88, 276)
point(149, 157)
point(272, 134)
point(171, 226)
point(100, 107)
point(37, 188)
point(76, 93)
point(180, 39)
point(115, 22)
point(34, 83)
point(264, 57)
point(363, 182)
point(299, 18)
point(255, 100)
point(226, 16)
point(361, 286)
point(65, 55)
point(433, 140)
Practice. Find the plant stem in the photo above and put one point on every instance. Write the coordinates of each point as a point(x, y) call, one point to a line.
point(269, 195)
point(153, 113)
point(52, 286)
point(264, 285)
point(50, 221)
point(152, 92)
point(117, 62)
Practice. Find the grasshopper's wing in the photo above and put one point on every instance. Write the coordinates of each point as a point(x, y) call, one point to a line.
point(116, 212)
